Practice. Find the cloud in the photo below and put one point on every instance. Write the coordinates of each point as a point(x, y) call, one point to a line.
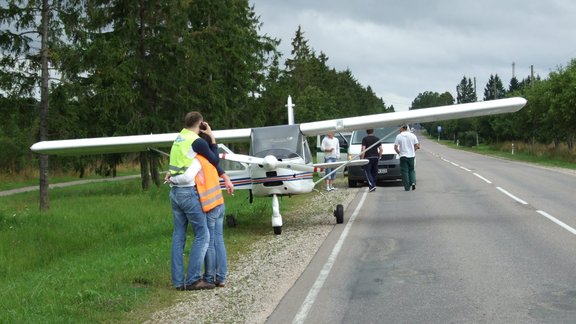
point(402, 49)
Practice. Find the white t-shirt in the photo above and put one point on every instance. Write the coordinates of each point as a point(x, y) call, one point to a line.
point(328, 143)
point(406, 142)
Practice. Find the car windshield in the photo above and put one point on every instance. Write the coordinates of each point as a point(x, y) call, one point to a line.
point(386, 133)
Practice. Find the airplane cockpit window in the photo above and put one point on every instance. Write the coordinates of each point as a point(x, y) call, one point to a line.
point(307, 155)
point(386, 133)
point(229, 165)
point(284, 141)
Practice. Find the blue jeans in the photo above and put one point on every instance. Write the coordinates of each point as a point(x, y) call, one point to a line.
point(215, 263)
point(328, 170)
point(186, 209)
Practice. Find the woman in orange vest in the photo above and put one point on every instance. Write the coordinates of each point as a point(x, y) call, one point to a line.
point(215, 262)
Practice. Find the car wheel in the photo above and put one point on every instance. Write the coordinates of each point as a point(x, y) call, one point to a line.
point(352, 183)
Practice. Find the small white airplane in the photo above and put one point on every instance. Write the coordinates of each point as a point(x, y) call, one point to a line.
point(280, 161)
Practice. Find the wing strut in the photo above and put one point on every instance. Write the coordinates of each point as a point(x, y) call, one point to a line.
point(158, 151)
point(355, 157)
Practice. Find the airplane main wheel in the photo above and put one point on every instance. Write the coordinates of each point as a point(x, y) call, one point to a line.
point(231, 220)
point(277, 230)
point(339, 214)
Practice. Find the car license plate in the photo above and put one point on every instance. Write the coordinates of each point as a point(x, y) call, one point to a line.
point(382, 171)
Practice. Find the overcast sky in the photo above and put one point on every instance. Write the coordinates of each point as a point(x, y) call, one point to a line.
point(403, 48)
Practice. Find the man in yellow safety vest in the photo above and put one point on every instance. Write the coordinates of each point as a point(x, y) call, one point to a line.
point(186, 201)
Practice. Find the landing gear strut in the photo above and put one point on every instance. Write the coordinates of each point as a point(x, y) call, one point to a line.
point(276, 217)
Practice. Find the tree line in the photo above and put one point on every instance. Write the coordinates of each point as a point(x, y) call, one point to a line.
point(548, 117)
point(75, 69)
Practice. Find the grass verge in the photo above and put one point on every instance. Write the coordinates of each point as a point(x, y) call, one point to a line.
point(101, 254)
point(530, 153)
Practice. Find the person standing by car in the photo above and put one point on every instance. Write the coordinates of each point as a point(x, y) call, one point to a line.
point(373, 155)
point(405, 145)
point(331, 147)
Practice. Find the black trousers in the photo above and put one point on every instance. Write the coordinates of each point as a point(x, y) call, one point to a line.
point(371, 170)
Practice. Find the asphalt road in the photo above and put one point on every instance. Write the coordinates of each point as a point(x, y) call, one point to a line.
point(480, 240)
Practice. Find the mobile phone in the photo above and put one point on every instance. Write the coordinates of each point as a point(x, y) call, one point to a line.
point(203, 126)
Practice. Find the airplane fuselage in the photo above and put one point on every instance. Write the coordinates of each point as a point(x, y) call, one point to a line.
point(280, 181)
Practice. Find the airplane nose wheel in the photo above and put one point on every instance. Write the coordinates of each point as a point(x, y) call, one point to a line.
point(339, 214)
point(276, 217)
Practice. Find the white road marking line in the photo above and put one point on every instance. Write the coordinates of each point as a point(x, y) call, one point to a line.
point(512, 196)
point(541, 212)
point(481, 177)
point(323, 275)
point(557, 221)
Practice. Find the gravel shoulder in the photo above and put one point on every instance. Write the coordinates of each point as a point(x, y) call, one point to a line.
point(258, 280)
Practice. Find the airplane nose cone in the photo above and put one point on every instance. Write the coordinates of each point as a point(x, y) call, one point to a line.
point(270, 162)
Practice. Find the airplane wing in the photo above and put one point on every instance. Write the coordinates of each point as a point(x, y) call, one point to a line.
point(126, 144)
point(474, 109)
point(137, 143)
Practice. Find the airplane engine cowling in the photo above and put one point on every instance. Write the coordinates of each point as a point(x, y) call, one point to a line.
point(270, 162)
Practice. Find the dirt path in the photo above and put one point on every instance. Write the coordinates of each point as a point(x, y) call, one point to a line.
point(64, 184)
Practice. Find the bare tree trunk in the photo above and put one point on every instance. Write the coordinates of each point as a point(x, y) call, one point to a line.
point(44, 185)
point(154, 173)
point(556, 143)
point(144, 170)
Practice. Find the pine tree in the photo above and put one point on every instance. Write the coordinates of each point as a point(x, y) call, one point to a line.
point(514, 85)
point(494, 88)
point(33, 34)
point(466, 92)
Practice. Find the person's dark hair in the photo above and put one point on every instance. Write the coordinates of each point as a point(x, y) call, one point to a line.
point(370, 131)
point(205, 137)
point(192, 118)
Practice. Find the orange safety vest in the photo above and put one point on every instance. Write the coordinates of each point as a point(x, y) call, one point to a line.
point(208, 185)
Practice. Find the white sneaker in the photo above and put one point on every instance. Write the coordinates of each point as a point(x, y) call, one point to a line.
point(332, 188)
point(328, 189)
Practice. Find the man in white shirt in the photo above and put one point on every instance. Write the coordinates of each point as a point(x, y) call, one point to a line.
point(331, 148)
point(405, 145)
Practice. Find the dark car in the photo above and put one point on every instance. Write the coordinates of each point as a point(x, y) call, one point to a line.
point(389, 164)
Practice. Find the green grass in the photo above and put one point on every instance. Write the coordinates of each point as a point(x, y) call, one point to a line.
point(536, 154)
point(31, 178)
point(101, 254)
